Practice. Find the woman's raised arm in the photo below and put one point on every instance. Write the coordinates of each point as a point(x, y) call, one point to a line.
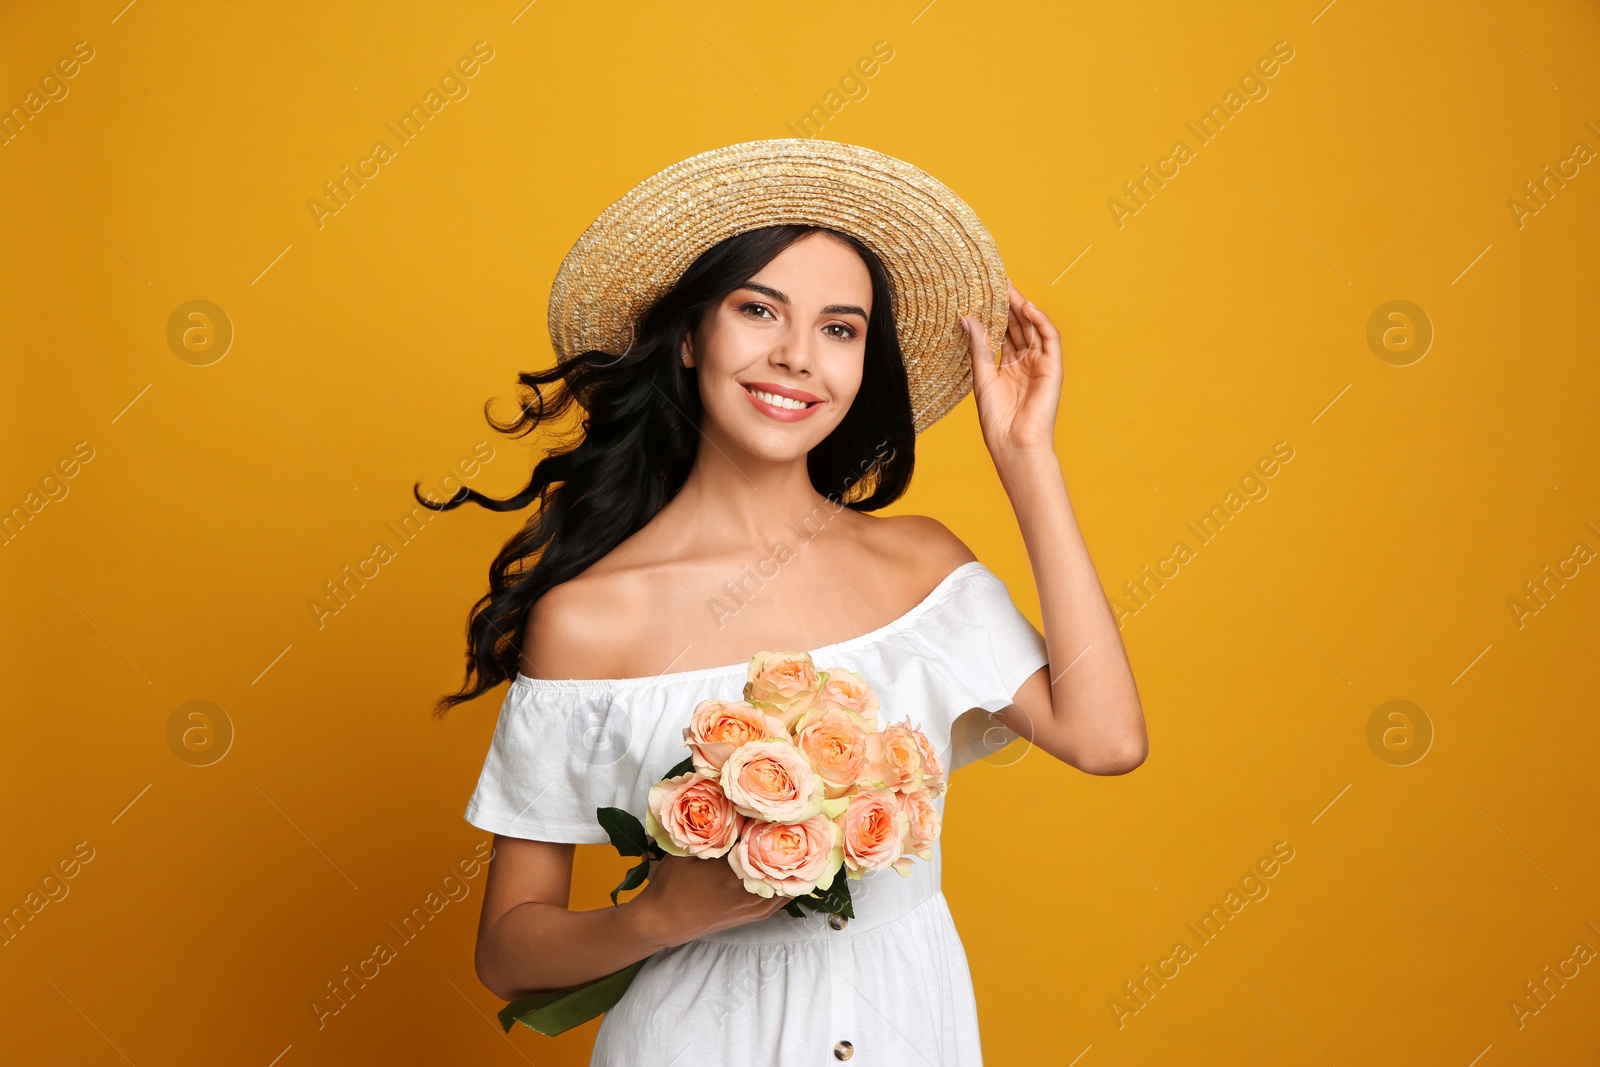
point(1087, 713)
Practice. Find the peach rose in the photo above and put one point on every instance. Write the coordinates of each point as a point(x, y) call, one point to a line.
point(875, 825)
point(783, 683)
point(933, 778)
point(922, 821)
point(717, 727)
point(790, 859)
point(835, 741)
point(894, 760)
point(772, 780)
point(690, 816)
point(845, 689)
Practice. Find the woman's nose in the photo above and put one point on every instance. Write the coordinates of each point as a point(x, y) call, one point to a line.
point(795, 354)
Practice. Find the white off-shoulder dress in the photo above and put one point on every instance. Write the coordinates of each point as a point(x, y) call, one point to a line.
point(891, 986)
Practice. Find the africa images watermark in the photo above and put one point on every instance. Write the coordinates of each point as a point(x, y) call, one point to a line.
point(353, 578)
point(53, 889)
point(453, 86)
point(1253, 486)
point(1253, 886)
point(54, 489)
point(1543, 189)
point(1142, 189)
point(738, 593)
point(1539, 995)
point(452, 888)
point(1541, 589)
point(852, 87)
point(53, 88)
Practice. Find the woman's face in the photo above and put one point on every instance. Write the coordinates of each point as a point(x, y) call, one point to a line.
point(797, 329)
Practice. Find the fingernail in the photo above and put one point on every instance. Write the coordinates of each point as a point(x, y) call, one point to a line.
point(966, 327)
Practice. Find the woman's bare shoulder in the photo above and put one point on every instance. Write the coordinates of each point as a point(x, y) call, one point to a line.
point(591, 625)
point(560, 635)
point(934, 551)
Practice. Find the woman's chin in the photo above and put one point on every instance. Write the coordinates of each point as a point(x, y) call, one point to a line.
point(776, 444)
point(771, 440)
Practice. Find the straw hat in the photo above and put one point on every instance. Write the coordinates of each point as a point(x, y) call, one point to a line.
point(940, 260)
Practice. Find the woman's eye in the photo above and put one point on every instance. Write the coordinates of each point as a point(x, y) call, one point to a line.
point(754, 310)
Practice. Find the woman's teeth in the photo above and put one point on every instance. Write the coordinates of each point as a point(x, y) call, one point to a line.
point(778, 401)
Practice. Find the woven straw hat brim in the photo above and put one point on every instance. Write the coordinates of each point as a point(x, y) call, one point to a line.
point(940, 259)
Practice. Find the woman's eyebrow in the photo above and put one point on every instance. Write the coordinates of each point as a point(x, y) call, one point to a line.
point(831, 309)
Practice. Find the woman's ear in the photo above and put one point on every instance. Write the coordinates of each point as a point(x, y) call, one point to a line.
point(686, 352)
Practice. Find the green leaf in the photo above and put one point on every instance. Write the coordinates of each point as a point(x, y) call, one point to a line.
point(633, 879)
point(556, 1011)
point(835, 900)
point(683, 768)
point(625, 830)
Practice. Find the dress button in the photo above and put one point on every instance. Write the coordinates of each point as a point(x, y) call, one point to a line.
point(843, 1050)
point(836, 921)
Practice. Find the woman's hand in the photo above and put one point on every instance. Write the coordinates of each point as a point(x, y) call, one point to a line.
point(688, 896)
point(1017, 400)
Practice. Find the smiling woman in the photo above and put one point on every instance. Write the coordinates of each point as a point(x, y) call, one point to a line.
point(823, 346)
point(647, 415)
point(758, 334)
point(769, 396)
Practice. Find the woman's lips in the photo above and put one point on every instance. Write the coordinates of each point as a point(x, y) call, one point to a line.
point(781, 414)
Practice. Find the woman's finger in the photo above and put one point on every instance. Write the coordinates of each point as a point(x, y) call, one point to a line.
point(1024, 312)
point(982, 355)
point(1050, 336)
point(1016, 335)
point(1017, 323)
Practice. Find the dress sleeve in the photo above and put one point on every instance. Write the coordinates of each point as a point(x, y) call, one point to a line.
point(993, 650)
point(1006, 650)
point(557, 754)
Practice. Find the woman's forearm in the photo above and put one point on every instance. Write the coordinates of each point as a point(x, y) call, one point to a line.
point(1096, 703)
point(536, 946)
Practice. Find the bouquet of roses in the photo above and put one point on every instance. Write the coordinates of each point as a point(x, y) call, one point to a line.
point(795, 783)
point(790, 785)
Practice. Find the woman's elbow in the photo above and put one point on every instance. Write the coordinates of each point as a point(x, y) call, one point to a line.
point(1115, 761)
point(489, 975)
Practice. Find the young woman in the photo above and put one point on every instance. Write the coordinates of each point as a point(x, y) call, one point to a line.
point(717, 503)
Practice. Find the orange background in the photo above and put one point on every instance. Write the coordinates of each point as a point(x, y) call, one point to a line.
point(1228, 313)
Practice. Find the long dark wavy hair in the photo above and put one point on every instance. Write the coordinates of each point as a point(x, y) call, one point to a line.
point(639, 439)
